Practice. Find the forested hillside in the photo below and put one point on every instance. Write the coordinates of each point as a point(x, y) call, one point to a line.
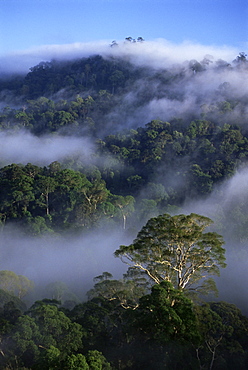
point(103, 145)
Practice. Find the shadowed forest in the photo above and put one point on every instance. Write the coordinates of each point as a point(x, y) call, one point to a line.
point(123, 213)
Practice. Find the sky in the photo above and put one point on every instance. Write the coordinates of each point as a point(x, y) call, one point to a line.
point(34, 27)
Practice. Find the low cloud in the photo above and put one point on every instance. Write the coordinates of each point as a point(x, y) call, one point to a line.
point(23, 147)
point(72, 260)
point(20, 61)
point(184, 95)
point(159, 53)
point(228, 204)
point(162, 53)
point(232, 191)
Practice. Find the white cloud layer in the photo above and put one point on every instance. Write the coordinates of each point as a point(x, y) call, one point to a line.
point(229, 202)
point(23, 147)
point(157, 53)
point(72, 260)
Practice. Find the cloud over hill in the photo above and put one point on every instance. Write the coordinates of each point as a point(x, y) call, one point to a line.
point(158, 53)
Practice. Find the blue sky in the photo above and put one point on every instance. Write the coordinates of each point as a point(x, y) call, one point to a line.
point(29, 24)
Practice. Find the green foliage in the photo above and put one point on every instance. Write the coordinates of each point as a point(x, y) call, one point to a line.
point(11, 309)
point(202, 182)
point(175, 248)
point(125, 292)
point(49, 358)
point(53, 199)
point(56, 328)
point(17, 285)
point(167, 315)
point(41, 336)
point(224, 333)
point(124, 207)
point(52, 358)
point(97, 361)
point(75, 362)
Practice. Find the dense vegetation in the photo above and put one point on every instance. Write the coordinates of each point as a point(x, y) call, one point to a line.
point(138, 170)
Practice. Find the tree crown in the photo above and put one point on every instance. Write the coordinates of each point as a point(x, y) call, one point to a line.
point(176, 249)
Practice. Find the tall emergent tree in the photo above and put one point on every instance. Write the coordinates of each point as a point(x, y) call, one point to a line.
point(176, 249)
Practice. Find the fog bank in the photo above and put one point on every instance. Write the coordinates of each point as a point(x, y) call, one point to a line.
point(72, 260)
point(225, 206)
point(158, 53)
point(23, 147)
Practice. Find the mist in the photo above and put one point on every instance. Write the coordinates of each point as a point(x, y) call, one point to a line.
point(157, 53)
point(224, 204)
point(73, 260)
point(22, 147)
point(194, 95)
